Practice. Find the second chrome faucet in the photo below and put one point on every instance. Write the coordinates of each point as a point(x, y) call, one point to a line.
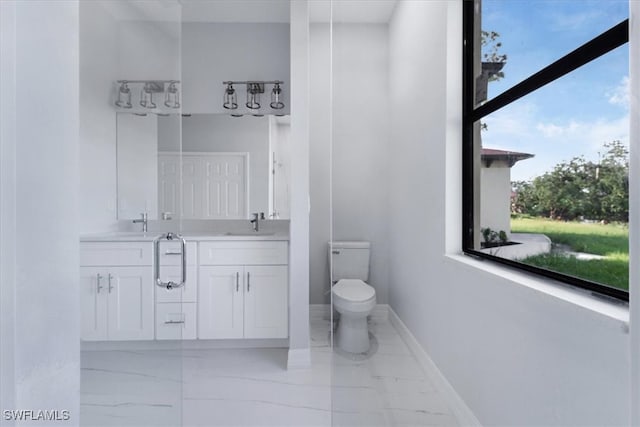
point(144, 220)
point(255, 222)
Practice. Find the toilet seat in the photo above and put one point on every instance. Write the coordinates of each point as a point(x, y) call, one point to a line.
point(353, 291)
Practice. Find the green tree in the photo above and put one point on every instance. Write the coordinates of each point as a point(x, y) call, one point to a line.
point(580, 188)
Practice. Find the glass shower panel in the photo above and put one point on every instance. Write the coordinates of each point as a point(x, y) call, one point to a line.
point(130, 78)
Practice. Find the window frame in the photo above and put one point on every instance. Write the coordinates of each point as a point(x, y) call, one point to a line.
point(607, 41)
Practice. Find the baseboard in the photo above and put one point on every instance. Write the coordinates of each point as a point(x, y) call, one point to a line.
point(183, 345)
point(460, 409)
point(380, 312)
point(319, 311)
point(299, 358)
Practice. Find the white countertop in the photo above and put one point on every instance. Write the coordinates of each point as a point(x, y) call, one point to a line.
point(126, 236)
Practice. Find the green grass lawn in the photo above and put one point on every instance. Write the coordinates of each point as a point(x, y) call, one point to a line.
point(610, 240)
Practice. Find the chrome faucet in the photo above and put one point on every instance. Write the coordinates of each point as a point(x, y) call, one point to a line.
point(143, 220)
point(256, 220)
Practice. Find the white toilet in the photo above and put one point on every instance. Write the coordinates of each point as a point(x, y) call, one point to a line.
point(352, 297)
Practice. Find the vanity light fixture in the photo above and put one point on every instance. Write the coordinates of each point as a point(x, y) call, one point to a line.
point(124, 95)
point(172, 99)
point(276, 93)
point(253, 88)
point(253, 95)
point(147, 89)
point(146, 95)
point(230, 98)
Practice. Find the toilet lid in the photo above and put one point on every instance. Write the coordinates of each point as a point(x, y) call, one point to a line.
point(353, 290)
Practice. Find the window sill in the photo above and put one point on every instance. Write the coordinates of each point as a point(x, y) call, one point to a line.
point(618, 311)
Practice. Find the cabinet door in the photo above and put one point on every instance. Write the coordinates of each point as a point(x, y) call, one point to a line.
point(220, 300)
point(130, 303)
point(265, 302)
point(93, 303)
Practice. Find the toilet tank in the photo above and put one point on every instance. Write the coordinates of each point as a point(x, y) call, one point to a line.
point(350, 260)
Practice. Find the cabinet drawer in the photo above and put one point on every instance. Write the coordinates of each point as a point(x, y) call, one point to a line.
point(243, 253)
point(170, 253)
point(186, 293)
point(116, 253)
point(175, 321)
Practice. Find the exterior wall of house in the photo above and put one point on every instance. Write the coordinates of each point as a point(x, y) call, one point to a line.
point(495, 197)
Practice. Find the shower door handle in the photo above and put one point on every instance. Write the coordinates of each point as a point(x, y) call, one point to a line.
point(156, 251)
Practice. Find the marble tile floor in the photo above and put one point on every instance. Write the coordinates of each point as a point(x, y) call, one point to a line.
point(252, 387)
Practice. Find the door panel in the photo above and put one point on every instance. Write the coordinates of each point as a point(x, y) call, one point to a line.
point(220, 302)
point(93, 303)
point(131, 303)
point(266, 302)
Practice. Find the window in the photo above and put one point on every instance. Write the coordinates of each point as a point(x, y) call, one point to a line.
point(545, 139)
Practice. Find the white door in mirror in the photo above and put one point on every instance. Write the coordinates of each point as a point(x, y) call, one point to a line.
point(209, 186)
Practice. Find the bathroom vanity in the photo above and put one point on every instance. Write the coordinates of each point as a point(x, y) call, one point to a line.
point(236, 287)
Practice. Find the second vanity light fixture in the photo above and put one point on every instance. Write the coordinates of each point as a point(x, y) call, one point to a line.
point(149, 88)
point(253, 89)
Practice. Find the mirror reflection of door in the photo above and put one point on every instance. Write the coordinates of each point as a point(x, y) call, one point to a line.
point(213, 185)
point(227, 168)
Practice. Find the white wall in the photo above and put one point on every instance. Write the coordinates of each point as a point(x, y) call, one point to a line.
point(217, 52)
point(320, 165)
point(150, 50)
point(360, 167)
point(223, 133)
point(299, 351)
point(39, 183)
point(516, 354)
point(98, 70)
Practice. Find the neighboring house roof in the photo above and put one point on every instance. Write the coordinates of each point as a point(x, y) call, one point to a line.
point(490, 155)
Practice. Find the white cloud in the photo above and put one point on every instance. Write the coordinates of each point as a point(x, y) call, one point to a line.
point(620, 94)
point(521, 128)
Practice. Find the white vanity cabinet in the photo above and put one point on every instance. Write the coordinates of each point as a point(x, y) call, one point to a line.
point(116, 291)
point(243, 289)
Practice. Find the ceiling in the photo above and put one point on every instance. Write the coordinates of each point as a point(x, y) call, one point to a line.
point(249, 11)
point(352, 11)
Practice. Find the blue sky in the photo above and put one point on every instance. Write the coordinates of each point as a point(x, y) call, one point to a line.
point(574, 115)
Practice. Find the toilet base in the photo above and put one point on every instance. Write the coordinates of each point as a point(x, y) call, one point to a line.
point(352, 334)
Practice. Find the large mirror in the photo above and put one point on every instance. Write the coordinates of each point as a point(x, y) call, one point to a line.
point(223, 167)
